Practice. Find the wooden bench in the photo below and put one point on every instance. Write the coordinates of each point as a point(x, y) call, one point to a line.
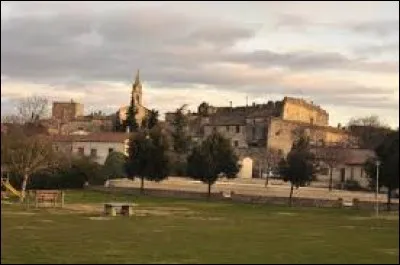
point(125, 209)
point(49, 196)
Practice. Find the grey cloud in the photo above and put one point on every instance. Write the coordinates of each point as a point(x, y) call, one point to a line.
point(385, 48)
point(382, 28)
point(71, 48)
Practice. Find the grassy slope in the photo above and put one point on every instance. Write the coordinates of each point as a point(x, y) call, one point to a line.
point(234, 233)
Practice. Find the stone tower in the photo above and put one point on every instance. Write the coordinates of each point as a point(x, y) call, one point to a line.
point(137, 90)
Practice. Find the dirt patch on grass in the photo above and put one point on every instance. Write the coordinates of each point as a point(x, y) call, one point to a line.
point(100, 218)
point(384, 217)
point(17, 213)
point(286, 213)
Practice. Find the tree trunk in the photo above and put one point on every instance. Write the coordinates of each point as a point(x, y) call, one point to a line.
point(291, 194)
point(23, 187)
point(266, 179)
point(141, 185)
point(209, 190)
point(330, 178)
point(389, 193)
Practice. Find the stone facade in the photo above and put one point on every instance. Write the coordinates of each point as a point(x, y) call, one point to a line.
point(66, 111)
point(257, 129)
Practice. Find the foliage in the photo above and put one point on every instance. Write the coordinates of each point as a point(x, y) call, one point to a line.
point(114, 166)
point(298, 168)
point(369, 130)
point(131, 121)
point(388, 155)
point(212, 159)
point(181, 140)
point(148, 156)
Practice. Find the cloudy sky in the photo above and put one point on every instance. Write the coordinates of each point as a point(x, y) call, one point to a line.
point(343, 56)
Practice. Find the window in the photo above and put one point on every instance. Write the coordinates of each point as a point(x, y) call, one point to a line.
point(311, 121)
point(56, 147)
point(110, 150)
point(214, 129)
point(237, 129)
point(227, 128)
point(81, 151)
point(93, 152)
point(236, 143)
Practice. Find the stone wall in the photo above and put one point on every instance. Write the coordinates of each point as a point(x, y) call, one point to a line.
point(89, 125)
point(230, 132)
point(67, 111)
point(299, 110)
point(280, 134)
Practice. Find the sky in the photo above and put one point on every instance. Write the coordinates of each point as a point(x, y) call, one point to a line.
point(343, 56)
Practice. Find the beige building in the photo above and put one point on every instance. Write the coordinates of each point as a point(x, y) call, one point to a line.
point(66, 111)
point(137, 96)
point(94, 145)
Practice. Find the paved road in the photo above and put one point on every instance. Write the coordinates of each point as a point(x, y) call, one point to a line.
point(251, 187)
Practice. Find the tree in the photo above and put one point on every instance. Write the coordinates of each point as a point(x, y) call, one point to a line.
point(25, 156)
point(332, 156)
point(298, 168)
point(369, 130)
point(212, 159)
point(131, 121)
point(114, 166)
point(272, 158)
point(148, 156)
point(32, 109)
point(179, 134)
point(151, 120)
point(388, 155)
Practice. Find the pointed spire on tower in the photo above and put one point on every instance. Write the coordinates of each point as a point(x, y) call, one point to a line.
point(137, 78)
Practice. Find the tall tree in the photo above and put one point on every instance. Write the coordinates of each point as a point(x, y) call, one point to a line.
point(180, 136)
point(26, 155)
point(148, 156)
point(114, 166)
point(388, 155)
point(212, 159)
point(298, 168)
point(131, 121)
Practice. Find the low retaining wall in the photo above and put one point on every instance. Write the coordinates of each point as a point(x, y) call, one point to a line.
point(304, 202)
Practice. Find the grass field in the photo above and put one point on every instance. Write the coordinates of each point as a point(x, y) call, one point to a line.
point(185, 231)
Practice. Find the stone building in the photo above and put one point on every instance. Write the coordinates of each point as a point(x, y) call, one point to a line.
point(66, 111)
point(258, 129)
point(137, 96)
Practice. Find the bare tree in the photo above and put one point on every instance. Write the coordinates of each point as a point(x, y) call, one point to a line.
point(25, 155)
point(12, 118)
point(33, 108)
point(331, 156)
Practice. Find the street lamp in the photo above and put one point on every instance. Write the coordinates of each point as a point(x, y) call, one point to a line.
point(377, 187)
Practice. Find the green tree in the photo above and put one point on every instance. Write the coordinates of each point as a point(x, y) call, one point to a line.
point(151, 120)
point(388, 155)
point(114, 166)
point(298, 168)
point(148, 157)
point(212, 159)
point(131, 121)
point(180, 136)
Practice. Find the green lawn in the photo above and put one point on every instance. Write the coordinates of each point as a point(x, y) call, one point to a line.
point(186, 231)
